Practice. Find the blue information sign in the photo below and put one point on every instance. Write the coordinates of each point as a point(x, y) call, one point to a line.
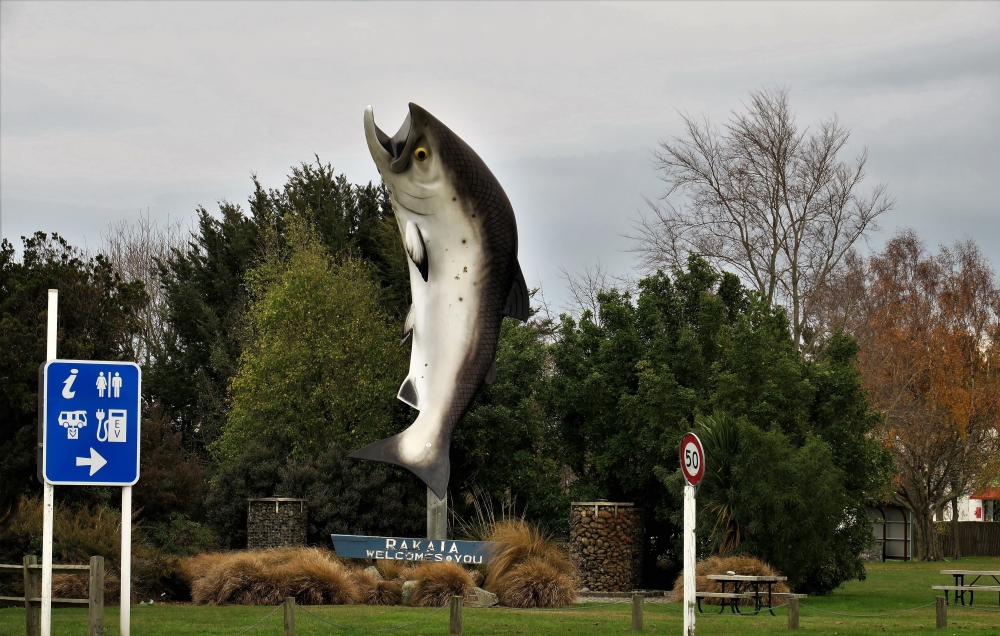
point(352, 546)
point(90, 411)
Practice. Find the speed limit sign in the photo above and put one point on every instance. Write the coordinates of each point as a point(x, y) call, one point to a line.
point(692, 459)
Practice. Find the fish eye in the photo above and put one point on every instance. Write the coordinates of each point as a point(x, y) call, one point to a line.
point(421, 153)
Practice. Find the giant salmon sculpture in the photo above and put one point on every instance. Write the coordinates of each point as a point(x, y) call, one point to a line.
point(459, 232)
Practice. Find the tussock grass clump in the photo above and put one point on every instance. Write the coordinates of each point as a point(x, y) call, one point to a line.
point(534, 582)
point(530, 570)
point(392, 570)
point(266, 577)
point(375, 592)
point(78, 586)
point(746, 565)
point(438, 582)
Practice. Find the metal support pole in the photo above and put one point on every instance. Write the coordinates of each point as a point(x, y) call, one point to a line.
point(126, 566)
point(48, 490)
point(289, 616)
point(456, 615)
point(942, 611)
point(637, 607)
point(437, 516)
point(690, 561)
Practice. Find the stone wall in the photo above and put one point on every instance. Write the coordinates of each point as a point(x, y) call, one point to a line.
point(276, 522)
point(606, 543)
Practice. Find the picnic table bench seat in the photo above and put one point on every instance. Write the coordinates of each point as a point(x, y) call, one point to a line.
point(961, 590)
point(724, 594)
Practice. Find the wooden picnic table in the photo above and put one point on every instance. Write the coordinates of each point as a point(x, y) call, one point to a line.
point(960, 588)
point(741, 583)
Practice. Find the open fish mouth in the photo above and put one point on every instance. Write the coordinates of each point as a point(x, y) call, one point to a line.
point(398, 146)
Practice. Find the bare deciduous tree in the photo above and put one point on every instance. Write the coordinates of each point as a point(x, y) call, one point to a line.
point(133, 249)
point(584, 287)
point(762, 198)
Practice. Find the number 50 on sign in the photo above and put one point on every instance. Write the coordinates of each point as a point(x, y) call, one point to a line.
point(692, 459)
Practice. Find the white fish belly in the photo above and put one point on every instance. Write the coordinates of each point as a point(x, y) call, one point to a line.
point(445, 310)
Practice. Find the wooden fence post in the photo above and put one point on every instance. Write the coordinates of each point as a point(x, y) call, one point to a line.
point(96, 605)
point(289, 616)
point(456, 615)
point(637, 601)
point(942, 611)
point(793, 613)
point(32, 611)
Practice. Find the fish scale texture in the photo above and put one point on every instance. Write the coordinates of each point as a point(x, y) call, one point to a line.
point(483, 196)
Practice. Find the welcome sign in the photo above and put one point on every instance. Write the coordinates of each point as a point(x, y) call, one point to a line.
point(353, 546)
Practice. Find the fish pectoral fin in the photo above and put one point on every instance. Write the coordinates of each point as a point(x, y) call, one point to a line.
point(408, 393)
point(491, 375)
point(407, 326)
point(518, 301)
point(414, 242)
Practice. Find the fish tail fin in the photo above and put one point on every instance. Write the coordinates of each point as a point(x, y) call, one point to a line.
point(433, 468)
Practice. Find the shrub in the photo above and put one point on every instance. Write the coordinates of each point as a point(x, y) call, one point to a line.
point(172, 480)
point(345, 496)
point(529, 570)
point(438, 582)
point(265, 577)
point(83, 533)
point(745, 565)
point(180, 536)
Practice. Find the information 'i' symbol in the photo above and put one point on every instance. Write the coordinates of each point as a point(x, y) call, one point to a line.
point(68, 384)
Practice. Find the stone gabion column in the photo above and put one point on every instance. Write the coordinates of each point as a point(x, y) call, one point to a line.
point(276, 522)
point(606, 544)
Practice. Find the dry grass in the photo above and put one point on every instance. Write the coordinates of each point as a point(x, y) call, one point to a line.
point(375, 592)
point(396, 570)
point(78, 586)
point(266, 577)
point(721, 565)
point(530, 570)
point(438, 582)
point(536, 583)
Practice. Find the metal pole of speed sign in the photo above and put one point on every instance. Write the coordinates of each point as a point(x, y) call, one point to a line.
point(693, 467)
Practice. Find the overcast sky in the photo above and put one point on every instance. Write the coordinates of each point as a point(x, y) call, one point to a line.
point(109, 109)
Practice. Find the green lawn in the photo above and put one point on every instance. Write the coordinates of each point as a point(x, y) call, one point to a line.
point(890, 587)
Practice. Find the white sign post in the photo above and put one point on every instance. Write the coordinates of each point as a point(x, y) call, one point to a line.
point(90, 419)
point(48, 490)
point(693, 467)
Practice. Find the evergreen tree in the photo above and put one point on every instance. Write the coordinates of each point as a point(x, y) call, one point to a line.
point(98, 318)
point(626, 389)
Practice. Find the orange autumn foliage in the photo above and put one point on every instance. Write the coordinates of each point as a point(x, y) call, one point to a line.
point(928, 326)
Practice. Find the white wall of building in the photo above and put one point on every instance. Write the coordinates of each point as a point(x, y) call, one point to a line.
point(971, 510)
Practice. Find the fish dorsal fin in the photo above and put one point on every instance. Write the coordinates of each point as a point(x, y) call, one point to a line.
point(518, 299)
point(414, 242)
point(491, 375)
point(408, 393)
point(407, 326)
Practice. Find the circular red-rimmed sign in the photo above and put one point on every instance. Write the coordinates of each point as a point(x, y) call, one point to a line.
point(692, 459)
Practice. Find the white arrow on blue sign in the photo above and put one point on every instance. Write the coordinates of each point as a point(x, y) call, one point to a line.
point(91, 411)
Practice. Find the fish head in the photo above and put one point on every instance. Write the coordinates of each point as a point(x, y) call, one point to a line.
point(410, 161)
